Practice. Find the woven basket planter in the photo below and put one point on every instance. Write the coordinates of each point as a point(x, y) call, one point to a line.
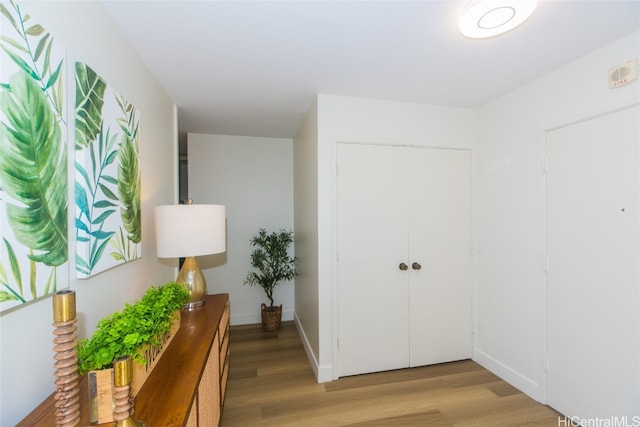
point(271, 317)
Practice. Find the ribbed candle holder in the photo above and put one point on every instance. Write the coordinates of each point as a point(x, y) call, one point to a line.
point(122, 397)
point(67, 395)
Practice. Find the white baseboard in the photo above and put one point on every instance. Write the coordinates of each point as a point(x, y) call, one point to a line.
point(522, 383)
point(323, 373)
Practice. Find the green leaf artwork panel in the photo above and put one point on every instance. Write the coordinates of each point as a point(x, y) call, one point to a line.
point(89, 102)
point(107, 187)
point(33, 160)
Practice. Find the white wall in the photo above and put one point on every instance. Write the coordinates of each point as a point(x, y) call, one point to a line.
point(305, 187)
point(510, 195)
point(253, 178)
point(345, 119)
point(26, 352)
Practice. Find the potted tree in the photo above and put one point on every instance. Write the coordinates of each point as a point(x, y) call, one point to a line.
point(273, 264)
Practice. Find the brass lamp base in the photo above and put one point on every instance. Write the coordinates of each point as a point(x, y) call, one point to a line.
point(191, 276)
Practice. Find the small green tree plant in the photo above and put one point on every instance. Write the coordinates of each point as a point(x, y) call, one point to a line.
point(271, 260)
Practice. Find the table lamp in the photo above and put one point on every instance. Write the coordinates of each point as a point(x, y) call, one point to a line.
point(187, 231)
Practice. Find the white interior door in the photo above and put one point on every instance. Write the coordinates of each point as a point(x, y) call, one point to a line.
point(440, 241)
point(593, 260)
point(399, 205)
point(373, 314)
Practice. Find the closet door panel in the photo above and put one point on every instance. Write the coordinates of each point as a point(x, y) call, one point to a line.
point(440, 241)
point(593, 290)
point(373, 314)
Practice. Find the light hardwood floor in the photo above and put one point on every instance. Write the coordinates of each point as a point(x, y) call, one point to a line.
point(271, 384)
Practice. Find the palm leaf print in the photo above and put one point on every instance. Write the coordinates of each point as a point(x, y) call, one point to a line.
point(33, 181)
point(107, 175)
point(89, 102)
point(12, 293)
point(95, 200)
point(31, 52)
point(129, 174)
point(33, 171)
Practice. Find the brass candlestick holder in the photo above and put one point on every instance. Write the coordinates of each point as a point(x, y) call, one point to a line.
point(122, 397)
point(67, 395)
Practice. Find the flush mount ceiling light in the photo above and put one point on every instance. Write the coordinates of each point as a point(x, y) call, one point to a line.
point(488, 18)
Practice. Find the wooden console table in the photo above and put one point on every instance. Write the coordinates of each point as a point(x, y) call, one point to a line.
point(187, 386)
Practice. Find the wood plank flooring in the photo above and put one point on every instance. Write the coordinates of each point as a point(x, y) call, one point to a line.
point(271, 384)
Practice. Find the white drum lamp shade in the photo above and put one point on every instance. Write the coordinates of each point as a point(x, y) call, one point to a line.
point(187, 231)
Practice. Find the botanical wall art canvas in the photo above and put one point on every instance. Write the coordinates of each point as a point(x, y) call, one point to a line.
point(33, 160)
point(107, 189)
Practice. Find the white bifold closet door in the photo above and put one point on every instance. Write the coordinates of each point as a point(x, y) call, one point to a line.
point(593, 282)
point(411, 206)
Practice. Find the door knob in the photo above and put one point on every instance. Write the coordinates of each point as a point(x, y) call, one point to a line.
point(416, 266)
point(403, 266)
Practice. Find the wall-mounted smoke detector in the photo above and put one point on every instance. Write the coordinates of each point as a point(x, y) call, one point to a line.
point(623, 74)
point(488, 18)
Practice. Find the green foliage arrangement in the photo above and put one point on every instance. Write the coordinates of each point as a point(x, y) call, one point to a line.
point(271, 258)
point(127, 333)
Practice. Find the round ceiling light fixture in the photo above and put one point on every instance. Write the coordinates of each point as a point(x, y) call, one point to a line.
point(488, 18)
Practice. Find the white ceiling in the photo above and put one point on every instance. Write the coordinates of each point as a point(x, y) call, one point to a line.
point(254, 67)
